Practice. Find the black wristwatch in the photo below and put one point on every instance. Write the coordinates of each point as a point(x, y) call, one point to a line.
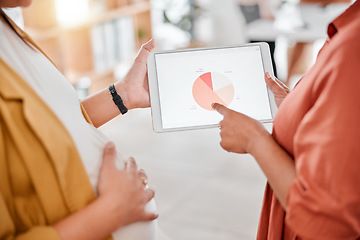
point(117, 99)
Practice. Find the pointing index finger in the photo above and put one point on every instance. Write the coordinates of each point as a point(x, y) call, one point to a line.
point(219, 108)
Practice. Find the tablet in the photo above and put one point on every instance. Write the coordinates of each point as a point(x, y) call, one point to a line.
point(184, 83)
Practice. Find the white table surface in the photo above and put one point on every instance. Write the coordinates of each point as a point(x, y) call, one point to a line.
point(299, 23)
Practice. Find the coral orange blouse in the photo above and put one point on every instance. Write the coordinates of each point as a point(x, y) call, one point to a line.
point(318, 124)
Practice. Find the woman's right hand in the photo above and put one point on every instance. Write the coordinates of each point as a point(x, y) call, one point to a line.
point(122, 199)
point(279, 89)
point(123, 192)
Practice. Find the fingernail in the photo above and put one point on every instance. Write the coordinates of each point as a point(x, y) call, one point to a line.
point(267, 75)
point(110, 146)
point(213, 105)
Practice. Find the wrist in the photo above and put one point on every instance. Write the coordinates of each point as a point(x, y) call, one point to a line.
point(260, 137)
point(83, 225)
point(121, 89)
point(111, 211)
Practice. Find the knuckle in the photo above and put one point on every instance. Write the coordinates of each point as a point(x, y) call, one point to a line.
point(228, 113)
point(154, 216)
point(222, 144)
point(150, 193)
point(152, 188)
point(221, 125)
point(222, 135)
point(132, 162)
point(142, 172)
point(225, 146)
point(150, 216)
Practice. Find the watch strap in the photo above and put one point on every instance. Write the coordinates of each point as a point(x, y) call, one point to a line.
point(117, 99)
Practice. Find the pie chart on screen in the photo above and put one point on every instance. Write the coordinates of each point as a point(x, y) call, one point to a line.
point(212, 87)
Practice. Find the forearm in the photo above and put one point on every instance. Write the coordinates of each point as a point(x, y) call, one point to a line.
point(100, 106)
point(277, 165)
point(133, 90)
point(91, 223)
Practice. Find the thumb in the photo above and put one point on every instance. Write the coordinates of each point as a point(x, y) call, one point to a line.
point(274, 84)
point(219, 108)
point(109, 156)
point(144, 51)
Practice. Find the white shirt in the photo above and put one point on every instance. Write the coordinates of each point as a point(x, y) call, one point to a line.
point(57, 92)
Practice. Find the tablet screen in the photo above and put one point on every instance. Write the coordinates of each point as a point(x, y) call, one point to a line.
point(190, 81)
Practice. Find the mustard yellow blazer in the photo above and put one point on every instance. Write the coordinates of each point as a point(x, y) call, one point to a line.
point(42, 178)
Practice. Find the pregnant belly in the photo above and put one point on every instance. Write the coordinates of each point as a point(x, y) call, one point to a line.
point(139, 230)
point(91, 151)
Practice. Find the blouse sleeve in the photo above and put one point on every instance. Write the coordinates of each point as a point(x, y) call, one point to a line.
point(7, 228)
point(324, 200)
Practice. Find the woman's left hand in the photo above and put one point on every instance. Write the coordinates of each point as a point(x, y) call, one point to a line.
point(134, 88)
point(238, 132)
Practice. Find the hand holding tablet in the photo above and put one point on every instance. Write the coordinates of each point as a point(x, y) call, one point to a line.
point(184, 83)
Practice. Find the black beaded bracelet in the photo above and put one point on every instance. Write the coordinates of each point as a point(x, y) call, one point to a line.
point(117, 99)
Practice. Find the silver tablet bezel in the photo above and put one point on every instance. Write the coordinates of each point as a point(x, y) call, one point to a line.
point(154, 90)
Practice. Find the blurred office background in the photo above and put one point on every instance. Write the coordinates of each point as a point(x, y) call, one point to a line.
point(202, 192)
